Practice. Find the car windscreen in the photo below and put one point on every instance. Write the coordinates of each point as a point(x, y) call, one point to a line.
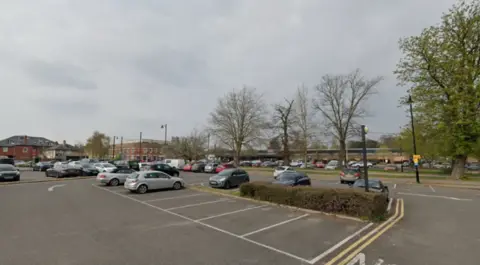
point(280, 168)
point(7, 168)
point(288, 177)
point(371, 183)
point(226, 172)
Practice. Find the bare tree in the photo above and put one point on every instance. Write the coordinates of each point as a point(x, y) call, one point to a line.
point(238, 119)
point(305, 119)
point(339, 99)
point(283, 122)
point(191, 147)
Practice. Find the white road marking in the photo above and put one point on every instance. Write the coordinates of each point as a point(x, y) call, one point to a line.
point(431, 188)
point(395, 186)
point(390, 200)
point(177, 197)
point(339, 244)
point(274, 225)
point(434, 196)
point(207, 225)
point(358, 259)
point(195, 184)
point(56, 186)
point(228, 213)
point(197, 204)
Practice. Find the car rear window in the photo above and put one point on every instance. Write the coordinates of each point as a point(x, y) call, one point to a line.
point(133, 176)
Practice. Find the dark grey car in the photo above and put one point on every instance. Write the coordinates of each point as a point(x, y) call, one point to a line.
point(228, 178)
point(9, 172)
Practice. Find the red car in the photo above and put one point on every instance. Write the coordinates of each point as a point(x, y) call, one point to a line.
point(320, 165)
point(187, 167)
point(222, 167)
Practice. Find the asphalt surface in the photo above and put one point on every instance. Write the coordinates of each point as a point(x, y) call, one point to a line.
point(84, 223)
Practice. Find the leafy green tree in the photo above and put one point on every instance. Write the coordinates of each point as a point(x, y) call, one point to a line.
point(430, 148)
point(441, 66)
point(97, 145)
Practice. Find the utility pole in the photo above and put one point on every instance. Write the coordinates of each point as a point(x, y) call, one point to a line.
point(140, 149)
point(208, 143)
point(113, 150)
point(410, 102)
point(365, 162)
point(164, 126)
point(121, 147)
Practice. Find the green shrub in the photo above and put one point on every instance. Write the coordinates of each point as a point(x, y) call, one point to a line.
point(345, 201)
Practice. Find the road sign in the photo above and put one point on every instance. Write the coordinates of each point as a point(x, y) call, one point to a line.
point(416, 158)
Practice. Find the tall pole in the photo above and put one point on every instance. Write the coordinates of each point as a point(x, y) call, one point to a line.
point(121, 147)
point(410, 102)
point(365, 163)
point(140, 151)
point(166, 133)
point(208, 143)
point(113, 150)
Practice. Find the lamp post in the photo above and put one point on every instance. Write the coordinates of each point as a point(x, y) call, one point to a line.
point(113, 149)
point(410, 102)
point(121, 147)
point(365, 162)
point(164, 126)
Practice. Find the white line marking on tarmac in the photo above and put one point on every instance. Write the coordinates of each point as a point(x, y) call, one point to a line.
point(228, 213)
point(55, 186)
point(274, 225)
point(197, 204)
point(434, 196)
point(339, 244)
point(390, 200)
point(431, 188)
point(207, 225)
point(395, 186)
point(176, 197)
point(195, 184)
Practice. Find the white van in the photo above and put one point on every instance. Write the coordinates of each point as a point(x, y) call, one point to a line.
point(175, 163)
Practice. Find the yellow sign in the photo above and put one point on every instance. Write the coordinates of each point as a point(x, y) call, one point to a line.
point(416, 158)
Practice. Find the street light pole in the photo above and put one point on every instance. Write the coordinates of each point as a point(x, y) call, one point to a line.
point(121, 147)
point(410, 102)
point(364, 151)
point(113, 150)
point(164, 126)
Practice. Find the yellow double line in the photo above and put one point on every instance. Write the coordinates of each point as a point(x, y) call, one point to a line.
point(370, 237)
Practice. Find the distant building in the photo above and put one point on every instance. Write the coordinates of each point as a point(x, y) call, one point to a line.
point(150, 150)
point(24, 147)
point(63, 152)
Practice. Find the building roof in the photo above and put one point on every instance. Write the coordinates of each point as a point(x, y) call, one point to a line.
point(63, 147)
point(30, 141)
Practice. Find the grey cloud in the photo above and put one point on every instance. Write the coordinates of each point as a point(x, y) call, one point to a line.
point(60, 75)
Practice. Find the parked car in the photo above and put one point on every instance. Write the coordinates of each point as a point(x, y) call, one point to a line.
point(350, 175)
point(134, 165)
point(198, 167)
point(187, 167)
point(320, 165)
point(89, 170)
point(104, 167)
point(360, 164)
point(230, 177)
point(245, 164)
point(222, 167)
point(9, 172)
point(61, 170)
point(6, 160)
point(268, 164)
point(175, 163)
point(332, 165)
point(165, 169)
point(296, 163)
point(280, 170)
point(293, 178)
point(307, 165)
point(121, 164)
point(256, 163)
point(473, 167)
point(75, 164)
point(390, 167)
point(116, 177)
point(210, 167)
point(143, 181)
point(374, 185)
point(42, 166)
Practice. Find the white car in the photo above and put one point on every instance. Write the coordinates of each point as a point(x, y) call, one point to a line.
point(360, 164)
point(332, 165)
point(280, 170)
point(104, 167)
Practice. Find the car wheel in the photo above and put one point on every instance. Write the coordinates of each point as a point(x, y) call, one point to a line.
point(142, 189)
point(247, 180)
point(16, 179)
point(114, 182)
point(342, 182)
point(177, 185)
point(227, 185)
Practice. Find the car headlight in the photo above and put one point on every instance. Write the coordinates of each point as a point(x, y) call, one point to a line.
point(222, 179)
point(18, 173)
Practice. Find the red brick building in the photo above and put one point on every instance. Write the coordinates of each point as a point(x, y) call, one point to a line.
point(23, 147)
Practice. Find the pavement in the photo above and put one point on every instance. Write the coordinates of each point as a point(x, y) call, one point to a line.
point(81, 222)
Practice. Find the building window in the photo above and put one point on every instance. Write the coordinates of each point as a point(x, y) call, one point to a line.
point(25, 150)
point(151, 150)
point(5, 149)
point(156, 150)
point(145, 150)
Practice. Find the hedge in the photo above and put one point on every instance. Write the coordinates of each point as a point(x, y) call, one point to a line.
point(346, 201)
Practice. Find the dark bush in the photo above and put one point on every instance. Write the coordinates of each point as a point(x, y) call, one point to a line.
point(347, 201)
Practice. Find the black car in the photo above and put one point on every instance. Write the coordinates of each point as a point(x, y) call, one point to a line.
point(134, 165)
point(198, 167)
point(165, 169)
point(293, 178)
point(374, 185)
point(9, 172)
point(8, 161)
point(42, 166)
point(89, 170)
point(63, 171)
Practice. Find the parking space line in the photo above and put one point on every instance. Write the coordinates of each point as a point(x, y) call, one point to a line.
point(197, 204)
point(390, 200)
point(228, 213)
point(395, 186)
point(274, 225)
point(431, 188)
point(434, 196)
point(339, 244)
point(177, 197)
point(195, 184)
point(209, 226)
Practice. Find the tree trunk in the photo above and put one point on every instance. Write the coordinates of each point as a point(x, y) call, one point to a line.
point(458, 168)
point(236, 156)
point(342, 153)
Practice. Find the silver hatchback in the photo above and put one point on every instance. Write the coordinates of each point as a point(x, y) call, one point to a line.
point(143, 181)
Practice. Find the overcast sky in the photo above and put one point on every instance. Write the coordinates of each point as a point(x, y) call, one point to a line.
point(124, 66)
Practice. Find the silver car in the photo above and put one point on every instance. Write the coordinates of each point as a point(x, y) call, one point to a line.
point(9, 172)
point(210, 167)
point(116, 177)
point(143, 181)
point(104, 167)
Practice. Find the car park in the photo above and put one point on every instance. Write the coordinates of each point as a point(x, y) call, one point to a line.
point(42, 166)
point(116, 177)
point(163, 168)
point(143, 181)
point(228, 178)
point(9, 172)
point(293, 178)
point(210, 167)
point(280, 170)
point(350, 175)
